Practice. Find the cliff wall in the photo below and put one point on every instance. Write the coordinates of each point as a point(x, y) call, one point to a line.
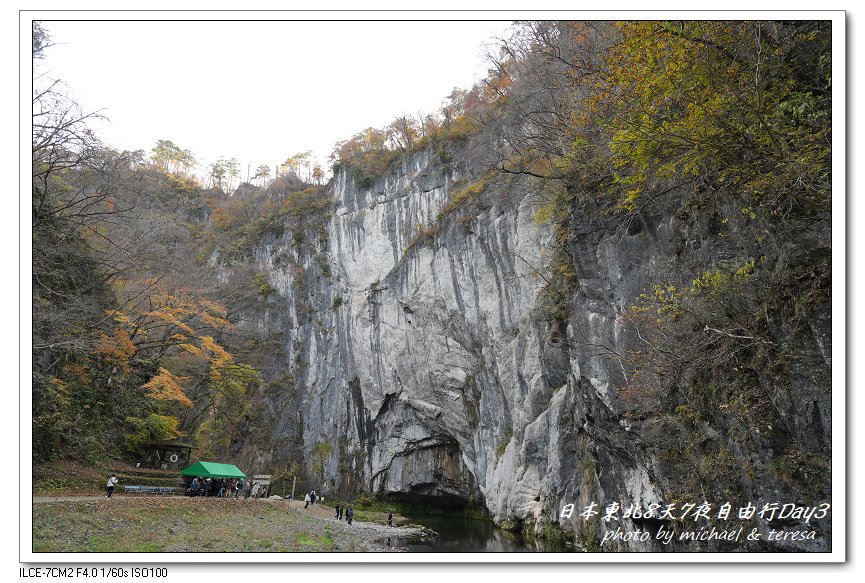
point(415, 358)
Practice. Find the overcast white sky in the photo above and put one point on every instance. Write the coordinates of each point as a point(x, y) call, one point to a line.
point(260, 91)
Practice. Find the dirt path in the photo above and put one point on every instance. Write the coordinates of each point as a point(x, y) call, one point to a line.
point(43, 499)
point(313, 510)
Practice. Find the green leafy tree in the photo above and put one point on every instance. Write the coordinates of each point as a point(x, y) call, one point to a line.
point(150, 429)
point(262, 173)
point(232, 168)
point(217, 174)
point(171, 158)
point(300, 165)
point(743, 104)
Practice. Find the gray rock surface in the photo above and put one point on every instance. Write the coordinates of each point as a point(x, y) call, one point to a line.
point(425, 368)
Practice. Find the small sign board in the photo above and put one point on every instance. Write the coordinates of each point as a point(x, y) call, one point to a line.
point(263, 479)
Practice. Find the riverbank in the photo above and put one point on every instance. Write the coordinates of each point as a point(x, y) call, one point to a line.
point(182, 524)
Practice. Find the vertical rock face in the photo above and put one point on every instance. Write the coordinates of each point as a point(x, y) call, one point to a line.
point(423, 367)
point(432, 337)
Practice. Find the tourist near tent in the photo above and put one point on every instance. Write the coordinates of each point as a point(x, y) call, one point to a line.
point(213, 470)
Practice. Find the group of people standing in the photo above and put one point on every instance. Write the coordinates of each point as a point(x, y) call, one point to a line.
point(211, 487)
point(311, 497)
point(347, 510)
point(225, 488)
point(219, 488)
point(341, 510)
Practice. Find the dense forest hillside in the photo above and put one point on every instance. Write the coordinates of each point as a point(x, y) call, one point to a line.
point(602, 274)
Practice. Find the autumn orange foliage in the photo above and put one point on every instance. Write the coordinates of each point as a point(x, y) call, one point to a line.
point(165, 386)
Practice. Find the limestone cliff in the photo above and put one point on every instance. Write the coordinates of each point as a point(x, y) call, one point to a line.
point(412, 355)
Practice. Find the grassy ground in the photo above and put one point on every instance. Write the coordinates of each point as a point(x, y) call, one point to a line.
point(180, 524)
point(71, 478)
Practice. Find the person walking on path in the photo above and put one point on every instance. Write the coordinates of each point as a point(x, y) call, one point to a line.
point(237, 488)
point(341, 511)
point(337, 511)
point(390, 518)
point(349, 514)
point(306, 499)
point(312, 497)
point(255, 488)
point(112, 481)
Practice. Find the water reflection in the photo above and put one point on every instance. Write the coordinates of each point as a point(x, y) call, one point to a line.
point(458, 534)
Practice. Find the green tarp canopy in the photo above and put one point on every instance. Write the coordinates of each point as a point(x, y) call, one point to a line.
point(213, 470)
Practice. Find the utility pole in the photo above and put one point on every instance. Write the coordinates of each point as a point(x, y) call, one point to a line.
point(293, 482)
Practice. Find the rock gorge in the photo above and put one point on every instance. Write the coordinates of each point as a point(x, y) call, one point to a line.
point(414, 356)
point(599, 277)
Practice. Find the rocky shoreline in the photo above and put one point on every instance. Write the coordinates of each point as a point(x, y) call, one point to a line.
point(375, 536)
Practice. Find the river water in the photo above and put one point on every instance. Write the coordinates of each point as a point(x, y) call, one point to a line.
point(458, 534)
